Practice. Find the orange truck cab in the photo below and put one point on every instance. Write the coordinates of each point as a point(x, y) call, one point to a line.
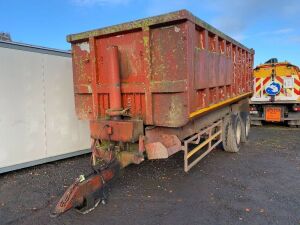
point(276, 96)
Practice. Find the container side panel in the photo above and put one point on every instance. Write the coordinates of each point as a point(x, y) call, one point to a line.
point(201, 80)
point(221, 70)
point(169, 67)
point(136, 103)
point(82, 78)
point(168, 58)
point(162, 65)
point(131, 62)
point(130, 48)
point(170, 109)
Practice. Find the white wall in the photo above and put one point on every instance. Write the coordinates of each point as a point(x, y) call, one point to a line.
point(37, 114)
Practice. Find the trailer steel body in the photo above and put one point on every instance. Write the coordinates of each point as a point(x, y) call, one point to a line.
point(158, 85)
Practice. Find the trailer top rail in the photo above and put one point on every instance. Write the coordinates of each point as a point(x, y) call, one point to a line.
point(151, 21)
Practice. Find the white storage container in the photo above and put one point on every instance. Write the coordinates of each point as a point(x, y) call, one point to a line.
point(37, 111)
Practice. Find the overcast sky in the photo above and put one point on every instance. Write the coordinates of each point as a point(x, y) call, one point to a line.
point(271, 27)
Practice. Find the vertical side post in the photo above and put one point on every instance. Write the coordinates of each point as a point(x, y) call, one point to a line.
point(94, 77)
point(147, 71)
point(114, 78)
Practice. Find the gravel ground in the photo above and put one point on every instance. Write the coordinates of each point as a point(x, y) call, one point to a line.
point(258, 185)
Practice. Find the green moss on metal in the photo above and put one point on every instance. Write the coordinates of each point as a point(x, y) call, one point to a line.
point(146, 41)
point(129, 26)
point(139, 24)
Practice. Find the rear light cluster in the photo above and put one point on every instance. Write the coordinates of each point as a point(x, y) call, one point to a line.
point(253, 110)
point(296, 108)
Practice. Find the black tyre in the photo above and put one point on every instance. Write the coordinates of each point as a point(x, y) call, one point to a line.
point(246, 123)
point(225, 129)
point(232, 133)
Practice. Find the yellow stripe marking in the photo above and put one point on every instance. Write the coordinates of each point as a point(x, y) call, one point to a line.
point(200, 111)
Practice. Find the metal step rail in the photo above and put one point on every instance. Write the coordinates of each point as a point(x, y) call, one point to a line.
point(212, 135)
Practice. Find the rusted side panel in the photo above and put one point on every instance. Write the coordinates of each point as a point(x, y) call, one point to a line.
point(171, 67)
point(168, 52)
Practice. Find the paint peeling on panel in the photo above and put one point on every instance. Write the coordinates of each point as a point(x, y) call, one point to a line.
point(176, 29)
point(84, 46)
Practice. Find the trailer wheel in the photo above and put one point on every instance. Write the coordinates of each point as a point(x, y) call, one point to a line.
point(232, 133)
point(225, 129)
point(245, 122)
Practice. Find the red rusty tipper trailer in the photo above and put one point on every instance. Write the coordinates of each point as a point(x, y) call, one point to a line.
point(156, 86)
